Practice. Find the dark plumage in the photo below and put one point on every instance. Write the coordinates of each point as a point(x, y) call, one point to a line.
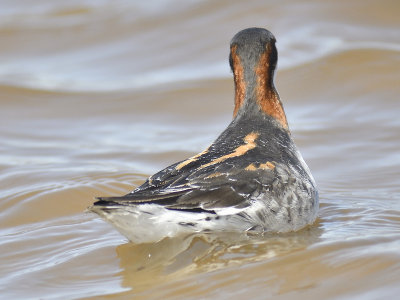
point(252, 177)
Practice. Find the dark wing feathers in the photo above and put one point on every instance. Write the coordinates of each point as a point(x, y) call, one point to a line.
point(224, 184)
point(208, 180)
point(143, 196)
point(208, 200)
point(241, 163)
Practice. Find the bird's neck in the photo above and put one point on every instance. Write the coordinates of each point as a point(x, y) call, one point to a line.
point(254, 84)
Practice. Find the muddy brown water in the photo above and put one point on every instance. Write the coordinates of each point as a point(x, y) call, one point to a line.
point(97, 95)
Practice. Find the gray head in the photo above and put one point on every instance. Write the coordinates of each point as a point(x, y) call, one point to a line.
point(250, 44)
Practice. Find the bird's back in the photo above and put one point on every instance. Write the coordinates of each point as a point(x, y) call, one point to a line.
point(251, 178)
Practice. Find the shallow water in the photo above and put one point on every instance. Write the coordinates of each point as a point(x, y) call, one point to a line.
point(98, 95)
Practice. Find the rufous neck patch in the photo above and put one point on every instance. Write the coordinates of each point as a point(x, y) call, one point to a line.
point(267, 97)
point(240, 83)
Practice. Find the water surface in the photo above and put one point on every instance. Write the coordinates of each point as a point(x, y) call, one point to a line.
point(97, 95)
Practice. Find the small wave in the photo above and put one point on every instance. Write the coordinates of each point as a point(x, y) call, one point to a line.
point(126, 59)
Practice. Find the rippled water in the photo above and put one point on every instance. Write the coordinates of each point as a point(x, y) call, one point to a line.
point(97, 95)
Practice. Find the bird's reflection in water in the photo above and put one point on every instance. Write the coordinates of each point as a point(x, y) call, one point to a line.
point(173, 258)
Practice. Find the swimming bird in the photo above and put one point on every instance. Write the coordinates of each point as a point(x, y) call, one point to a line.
point(251, 178)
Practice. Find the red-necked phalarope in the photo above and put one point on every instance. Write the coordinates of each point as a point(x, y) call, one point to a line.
point(251, 178)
